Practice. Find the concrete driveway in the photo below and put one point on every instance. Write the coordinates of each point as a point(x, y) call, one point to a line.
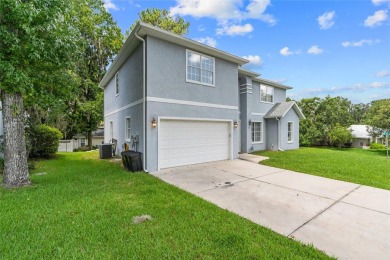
point(343, 219)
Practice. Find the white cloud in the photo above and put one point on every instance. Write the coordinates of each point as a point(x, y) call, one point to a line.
point(208, 41)
point(380, 84)
point(379, 2)
point(219, 10)
point(315, 50)
point(359, 43)
point(376, 19)
point(383, 73)
point(254, 59)
point(109, 5)
point(286, 52)
point(234, 29)
point(326, 20)
point(224, 10)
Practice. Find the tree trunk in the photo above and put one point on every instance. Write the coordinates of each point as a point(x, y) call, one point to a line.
point(90, 140)
point(15, 157)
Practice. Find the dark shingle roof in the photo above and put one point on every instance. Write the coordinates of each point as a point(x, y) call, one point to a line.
point(279, 110)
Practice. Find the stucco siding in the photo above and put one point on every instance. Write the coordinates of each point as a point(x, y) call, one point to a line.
point(291, 116)
point(166, 76)
point(119, 127)
point(130, 84)
point(272, 134)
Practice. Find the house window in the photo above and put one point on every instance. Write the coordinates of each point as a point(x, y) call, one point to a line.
point(82, 142)
point(127, 130)
point(290, 132)
point(266, 94)
point(200, 68)
point(257, 132)
point(117, 84)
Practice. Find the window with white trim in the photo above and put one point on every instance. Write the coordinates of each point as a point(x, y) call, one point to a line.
point(266, 93)
point(128, 129)
point(200, 68)
point(117, 84)
point(82, 142)
point(257, 132)
point(290, 132)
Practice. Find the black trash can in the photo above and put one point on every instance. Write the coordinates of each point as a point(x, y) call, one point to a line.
point(132, 160)
point(105, 151)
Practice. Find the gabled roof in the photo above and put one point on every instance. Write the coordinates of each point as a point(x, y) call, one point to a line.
point(143, 29)
point(360, 131)
point(279, 110)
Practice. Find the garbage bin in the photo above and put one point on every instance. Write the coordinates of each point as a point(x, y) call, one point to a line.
point(132, 160)
point(105, 151)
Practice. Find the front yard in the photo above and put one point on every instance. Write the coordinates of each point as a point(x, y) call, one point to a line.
point(81, 207)
point(367, 167)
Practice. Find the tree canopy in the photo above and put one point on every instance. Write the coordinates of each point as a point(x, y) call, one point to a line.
point(162, 18)
point(378, 115)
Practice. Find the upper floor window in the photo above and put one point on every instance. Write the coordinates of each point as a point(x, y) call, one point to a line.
point(200, 68)
point(117, 84)
point(266, 94)
point(257, 132)
point(290, 132)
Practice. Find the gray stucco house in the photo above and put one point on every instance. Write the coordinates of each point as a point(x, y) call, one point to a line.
point(180, 102)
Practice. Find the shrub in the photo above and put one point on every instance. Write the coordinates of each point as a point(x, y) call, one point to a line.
point(377, 146)
point(339, 135)
point(44, 141)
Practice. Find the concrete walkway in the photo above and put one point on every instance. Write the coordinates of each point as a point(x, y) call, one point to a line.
point(343, 219)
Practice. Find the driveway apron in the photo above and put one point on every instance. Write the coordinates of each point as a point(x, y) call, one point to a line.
point(343, 219)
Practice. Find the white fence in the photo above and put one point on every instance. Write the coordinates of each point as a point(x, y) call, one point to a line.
point(67, 145)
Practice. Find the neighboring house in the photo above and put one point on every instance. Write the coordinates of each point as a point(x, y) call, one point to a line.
point(180, 102)
point(81, 140)
point(361, 138)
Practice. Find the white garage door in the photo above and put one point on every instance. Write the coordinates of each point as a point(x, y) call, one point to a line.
point(184, 142)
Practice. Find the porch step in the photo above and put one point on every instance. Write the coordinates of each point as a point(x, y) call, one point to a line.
point(252, 158)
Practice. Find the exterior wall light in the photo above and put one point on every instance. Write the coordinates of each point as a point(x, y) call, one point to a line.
point(250, 122)
point(154, 122)
point(235, 124)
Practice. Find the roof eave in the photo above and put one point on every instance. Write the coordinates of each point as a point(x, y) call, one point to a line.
point(144, 29)
point(271, 83)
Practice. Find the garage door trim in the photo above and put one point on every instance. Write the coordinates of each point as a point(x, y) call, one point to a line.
point(193, 119)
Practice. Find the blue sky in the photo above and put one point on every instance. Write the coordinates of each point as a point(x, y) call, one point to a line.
point(336, 48)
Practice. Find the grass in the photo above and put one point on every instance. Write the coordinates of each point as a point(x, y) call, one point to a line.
point(80, 207)
point(367, 167)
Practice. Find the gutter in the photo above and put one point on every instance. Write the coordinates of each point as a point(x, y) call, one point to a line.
point(144, 99)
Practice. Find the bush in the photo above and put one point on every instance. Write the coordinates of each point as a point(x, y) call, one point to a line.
point(44, 141)
point(377, 146)
point(339, 136)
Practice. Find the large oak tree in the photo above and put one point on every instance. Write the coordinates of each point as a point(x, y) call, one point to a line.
point(37, 41)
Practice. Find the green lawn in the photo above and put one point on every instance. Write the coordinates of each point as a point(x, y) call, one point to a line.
point(367, 167)
point(83, 208)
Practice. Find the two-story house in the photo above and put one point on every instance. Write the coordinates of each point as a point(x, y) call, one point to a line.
point(180, 102)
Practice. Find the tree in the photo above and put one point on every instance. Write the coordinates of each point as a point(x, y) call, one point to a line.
point(378, 115)
point(102, 39)
point(162, 19)
point(339, 135)
point(308, 128)
point(36, 41)
point(358, 113)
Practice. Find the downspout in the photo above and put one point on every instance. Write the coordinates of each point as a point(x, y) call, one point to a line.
point(144, 99)
point(279, 134)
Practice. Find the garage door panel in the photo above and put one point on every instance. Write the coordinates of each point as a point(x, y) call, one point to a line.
point(184, 142)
